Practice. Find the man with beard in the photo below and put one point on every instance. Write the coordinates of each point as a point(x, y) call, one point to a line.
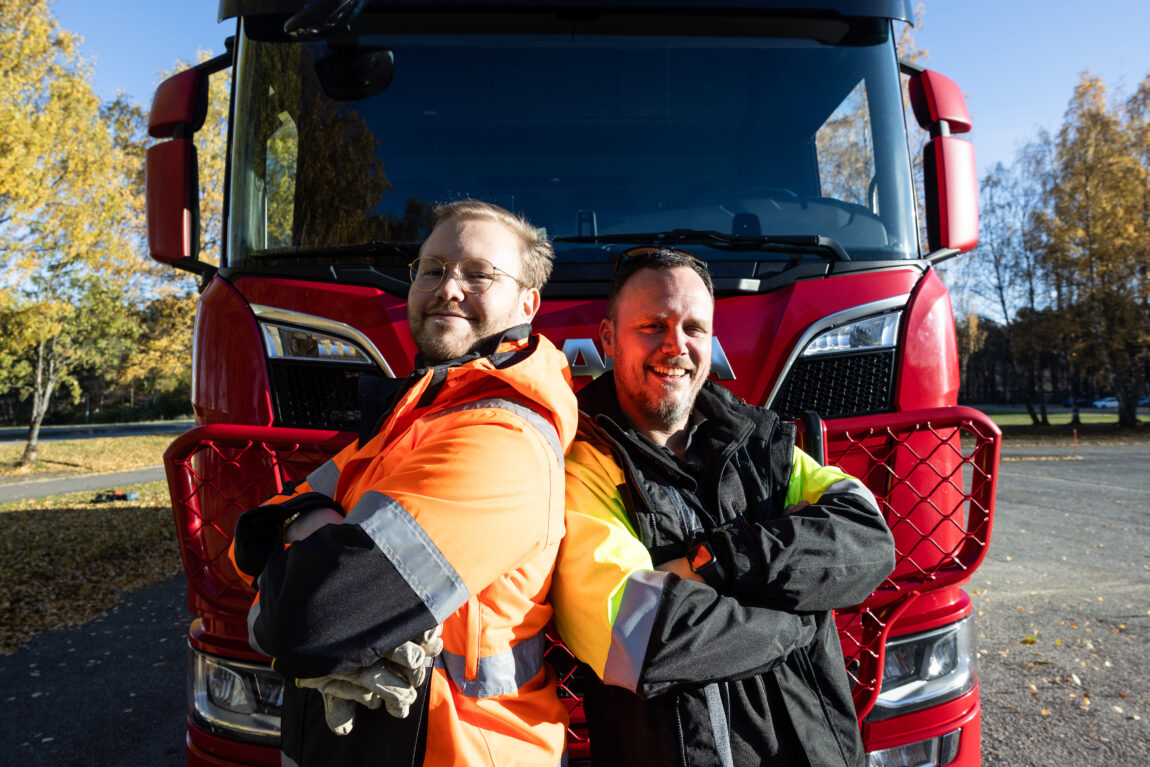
point(433, 535)
point(704, 551)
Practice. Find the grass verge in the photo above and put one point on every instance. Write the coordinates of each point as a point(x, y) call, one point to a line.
point(64, 560)
point(95, 455)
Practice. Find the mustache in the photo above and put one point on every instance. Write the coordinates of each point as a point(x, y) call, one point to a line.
point(449, 306)
point(678, 362)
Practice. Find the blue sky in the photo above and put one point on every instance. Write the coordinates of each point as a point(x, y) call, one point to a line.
point(1017, 61)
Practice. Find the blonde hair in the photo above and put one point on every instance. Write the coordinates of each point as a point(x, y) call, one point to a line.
point(537, 254)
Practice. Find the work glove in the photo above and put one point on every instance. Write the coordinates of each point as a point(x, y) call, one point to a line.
point(410, 659)
point(392, 683)
point(372, 687)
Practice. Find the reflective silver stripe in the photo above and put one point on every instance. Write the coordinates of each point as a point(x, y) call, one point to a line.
point(253, 616)
point(851, 486)
point(413, 554)
point(631, 631)
point(527, 414)
point(719, 729)
point(324, 479)
point(499, 674)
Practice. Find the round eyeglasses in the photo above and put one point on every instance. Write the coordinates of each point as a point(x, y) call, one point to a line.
point(474, 275)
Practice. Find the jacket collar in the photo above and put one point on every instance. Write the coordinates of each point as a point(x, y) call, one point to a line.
point(380, 394)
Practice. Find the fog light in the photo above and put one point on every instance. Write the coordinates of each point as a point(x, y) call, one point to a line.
point(935, 752)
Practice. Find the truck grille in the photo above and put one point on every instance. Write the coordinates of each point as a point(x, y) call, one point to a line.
point(317, 396)
point(838, 385)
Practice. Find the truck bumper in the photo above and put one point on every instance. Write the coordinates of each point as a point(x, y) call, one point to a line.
point(207, 750)
point(961, 715)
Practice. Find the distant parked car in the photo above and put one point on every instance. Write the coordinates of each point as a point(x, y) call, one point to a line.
point(1144, 400)
point(1082, 402)
point(1106, 402)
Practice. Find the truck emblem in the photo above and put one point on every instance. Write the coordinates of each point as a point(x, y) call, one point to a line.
point(585, 360)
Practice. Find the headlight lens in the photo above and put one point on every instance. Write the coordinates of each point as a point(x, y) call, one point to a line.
point(235, 699)
point(286, 342)
point(923, 669)
point(868, 334)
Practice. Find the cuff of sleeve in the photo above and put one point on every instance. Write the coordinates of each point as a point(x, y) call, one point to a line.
point(259, 531)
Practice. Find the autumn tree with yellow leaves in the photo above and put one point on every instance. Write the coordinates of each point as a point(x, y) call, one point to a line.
point(1064, 255)
point(66, 223)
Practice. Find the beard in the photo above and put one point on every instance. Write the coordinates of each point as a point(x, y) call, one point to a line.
point(665, 408)
point(439, 341)
point(667, 413)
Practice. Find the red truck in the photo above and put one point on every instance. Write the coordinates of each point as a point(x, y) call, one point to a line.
point(769, 137)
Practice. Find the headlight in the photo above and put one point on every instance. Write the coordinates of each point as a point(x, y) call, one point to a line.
point(864, 335)
point(235, 699)
point(934, 752)
point(286, 342)
point(924, 669)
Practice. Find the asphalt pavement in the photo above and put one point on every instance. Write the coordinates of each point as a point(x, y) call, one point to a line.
point(1062, 606)
point(40, 488)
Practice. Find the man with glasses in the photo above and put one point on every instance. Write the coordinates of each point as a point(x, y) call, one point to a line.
point(704, 551)
point(434, 535)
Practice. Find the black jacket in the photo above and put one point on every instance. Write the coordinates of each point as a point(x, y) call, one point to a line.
point(745, 670)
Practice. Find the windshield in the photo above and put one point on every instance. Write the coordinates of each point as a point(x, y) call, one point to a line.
point(601, 139)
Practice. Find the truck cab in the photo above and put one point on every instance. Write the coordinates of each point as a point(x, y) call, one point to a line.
point(781, 141)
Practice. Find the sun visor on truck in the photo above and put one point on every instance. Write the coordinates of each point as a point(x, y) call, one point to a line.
point(898, 10)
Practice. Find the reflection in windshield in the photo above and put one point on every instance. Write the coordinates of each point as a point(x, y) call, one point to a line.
point(589, 137)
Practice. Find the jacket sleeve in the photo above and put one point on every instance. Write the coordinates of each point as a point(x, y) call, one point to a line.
point(471, 501)
point(645, 630)
point(829, 550)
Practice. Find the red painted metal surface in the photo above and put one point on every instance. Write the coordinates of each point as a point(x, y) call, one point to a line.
point(229, 376)
point(936, 98)
point(169, 204)
point(949, 164)
point(927, 375)
point(176, 103)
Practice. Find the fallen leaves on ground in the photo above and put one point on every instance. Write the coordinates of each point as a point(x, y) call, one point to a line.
point(93, 455)
point(65, 560)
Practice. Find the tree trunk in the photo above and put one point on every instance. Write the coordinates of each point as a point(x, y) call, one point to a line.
point(47, 376)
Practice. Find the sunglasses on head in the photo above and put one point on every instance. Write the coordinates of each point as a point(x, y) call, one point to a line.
point(635, 256)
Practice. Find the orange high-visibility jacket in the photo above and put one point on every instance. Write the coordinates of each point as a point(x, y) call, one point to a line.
point(454, 513)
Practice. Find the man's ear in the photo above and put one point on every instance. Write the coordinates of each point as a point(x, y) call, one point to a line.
point(607, 337)
point(530, 301)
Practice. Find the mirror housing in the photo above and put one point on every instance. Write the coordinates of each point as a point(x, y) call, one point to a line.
point(949, 171)
point(171, 174)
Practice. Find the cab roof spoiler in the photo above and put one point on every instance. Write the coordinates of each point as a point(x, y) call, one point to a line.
point(898, 10)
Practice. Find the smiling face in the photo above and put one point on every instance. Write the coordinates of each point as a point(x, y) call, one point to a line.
point(447, 322)
point(660, 345)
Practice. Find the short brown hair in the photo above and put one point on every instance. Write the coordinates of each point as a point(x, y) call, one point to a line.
point(635, 260)
point(537, 255)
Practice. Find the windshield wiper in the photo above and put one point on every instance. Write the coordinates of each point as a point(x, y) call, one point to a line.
point(785, 243)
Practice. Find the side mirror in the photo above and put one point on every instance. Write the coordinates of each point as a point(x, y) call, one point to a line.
point(171, 175)
point(949, 172)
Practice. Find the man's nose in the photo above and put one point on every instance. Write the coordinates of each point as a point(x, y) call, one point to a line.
point(675, 342)
point(450, 290)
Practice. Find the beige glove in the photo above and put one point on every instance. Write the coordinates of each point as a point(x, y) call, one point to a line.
point(391, 683)
point(410, 659)
point(370, 687)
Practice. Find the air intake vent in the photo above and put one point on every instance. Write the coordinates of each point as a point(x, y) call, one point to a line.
point(839, 385)
point(308, 395)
